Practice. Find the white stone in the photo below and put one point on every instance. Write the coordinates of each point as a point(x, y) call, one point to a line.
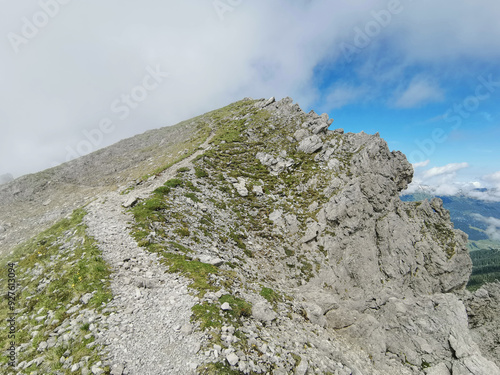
point(233, 359)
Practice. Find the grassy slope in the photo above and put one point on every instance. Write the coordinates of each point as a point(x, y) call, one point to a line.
point(53, 271)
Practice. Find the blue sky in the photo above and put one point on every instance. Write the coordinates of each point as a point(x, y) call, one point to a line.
point(424, 74)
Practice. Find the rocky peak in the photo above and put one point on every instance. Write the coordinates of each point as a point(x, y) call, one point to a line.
point(299, 253)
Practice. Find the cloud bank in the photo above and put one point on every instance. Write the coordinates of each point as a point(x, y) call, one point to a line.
point(442, 181)
point(493, 230)
point(64, 63)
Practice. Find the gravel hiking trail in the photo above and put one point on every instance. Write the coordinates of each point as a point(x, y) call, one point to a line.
point(149, 329)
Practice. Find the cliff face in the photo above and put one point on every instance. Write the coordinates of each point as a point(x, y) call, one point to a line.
point(315, 214)
point(299, 252)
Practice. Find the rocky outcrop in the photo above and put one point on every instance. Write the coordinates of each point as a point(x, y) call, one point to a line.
point(301, 255)
point(483, 309)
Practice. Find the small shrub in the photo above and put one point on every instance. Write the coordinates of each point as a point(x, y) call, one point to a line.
point(239, 307)
point(192, 196)
point(162, 190)
point(270, 295)
point(174, 182)
point(184, 232)
point(200, 173)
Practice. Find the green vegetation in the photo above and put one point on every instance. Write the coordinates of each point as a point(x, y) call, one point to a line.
point(289, 252)
point(486, 268)
point(200, 173)
point(197, 271)
point(183, 232)
point(444, 236)
point(192, 196)
point(218, 368)
point(174, 182)
point(270, 295)
point(53, 271)
point(239, 307)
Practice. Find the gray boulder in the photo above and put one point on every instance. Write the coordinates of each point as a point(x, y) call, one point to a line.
point(310, 144)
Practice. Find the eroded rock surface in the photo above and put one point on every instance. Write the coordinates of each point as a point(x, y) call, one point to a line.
point(282, 247)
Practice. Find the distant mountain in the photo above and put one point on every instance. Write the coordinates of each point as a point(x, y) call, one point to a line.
point(4, 178)
point(470, 215)
point(465, 213)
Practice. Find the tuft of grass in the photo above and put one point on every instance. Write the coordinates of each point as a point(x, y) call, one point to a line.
point(200, 173)
point(180, 247)
point(218, 368)
point(209, 315)
point(191, 186)
point(183, 232)
point(239, 307)
point(270, 295)
point(162, 191)
point(174, 182)
point(198, 272)
point(289, 252)
point(192, 196)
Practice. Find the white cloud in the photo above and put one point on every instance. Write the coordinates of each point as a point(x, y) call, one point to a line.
point(420, 91)
point(493, 229)
point(64, 79)
point(421, 164)
point(444, 181)
point(446, 170)
point(493, 178)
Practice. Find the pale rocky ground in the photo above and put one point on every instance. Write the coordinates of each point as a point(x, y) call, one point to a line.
point(149, 330)
point(34, 202)
point(373, 285)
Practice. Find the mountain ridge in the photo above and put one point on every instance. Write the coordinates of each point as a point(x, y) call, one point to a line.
point(290, 252)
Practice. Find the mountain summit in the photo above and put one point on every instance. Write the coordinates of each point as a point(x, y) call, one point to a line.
point(251, 239)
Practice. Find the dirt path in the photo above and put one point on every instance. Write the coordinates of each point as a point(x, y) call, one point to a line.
point(149, 331)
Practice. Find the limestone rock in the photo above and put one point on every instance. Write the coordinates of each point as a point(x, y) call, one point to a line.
point(314, 313)
point(311, 232)
point(240, 187)
point(302, 368)
point(263, 312)
point(214, 261)
point(130, 202)
point(310, 144)
point(257, 189)
point(275, 164)
point(232, 359)
point(300, 134)
point(483, 310)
